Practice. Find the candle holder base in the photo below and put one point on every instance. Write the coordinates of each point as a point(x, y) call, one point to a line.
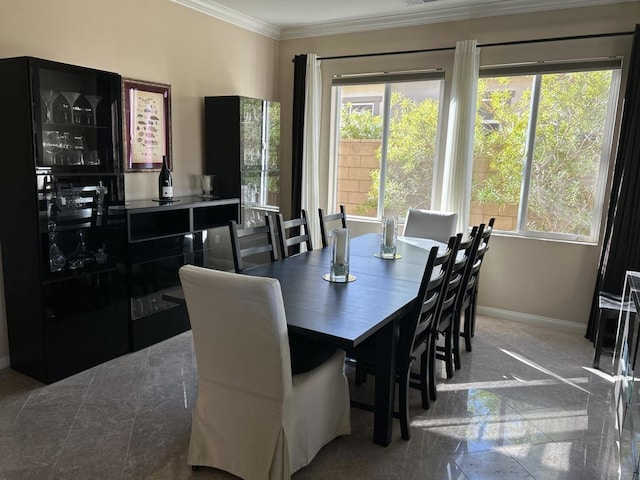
point(327, 277)
point(388, 256)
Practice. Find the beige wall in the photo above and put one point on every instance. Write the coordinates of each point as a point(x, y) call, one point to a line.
point(155, 40)
point(531, 278)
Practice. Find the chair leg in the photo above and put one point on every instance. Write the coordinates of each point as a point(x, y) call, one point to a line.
point(456, 343)
point(474, 306)
point(432, 366)
point(599, 339)
point(424, 376)
point(403, 404)
point(448, 351)
point(467, 327)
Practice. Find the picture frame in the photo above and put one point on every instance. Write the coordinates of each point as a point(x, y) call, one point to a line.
point(146, 125)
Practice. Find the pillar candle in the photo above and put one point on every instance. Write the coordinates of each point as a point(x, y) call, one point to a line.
point(341, 245)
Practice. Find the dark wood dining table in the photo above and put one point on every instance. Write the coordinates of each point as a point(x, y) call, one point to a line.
point(346, 314)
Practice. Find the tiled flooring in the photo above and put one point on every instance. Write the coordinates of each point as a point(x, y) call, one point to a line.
point(524, 405)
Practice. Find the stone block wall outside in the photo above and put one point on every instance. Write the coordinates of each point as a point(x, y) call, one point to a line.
point(357, 158)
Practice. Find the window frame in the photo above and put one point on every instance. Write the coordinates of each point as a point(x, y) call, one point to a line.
point(537, 70)
point(386, 80)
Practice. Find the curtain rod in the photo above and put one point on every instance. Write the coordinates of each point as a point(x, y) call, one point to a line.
point(500, 44)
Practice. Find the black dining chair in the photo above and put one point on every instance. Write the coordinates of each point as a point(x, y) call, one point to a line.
point(254, 242)
point(470, 314)
point(446, 320)
point(414, 332)
point(293, 233)
point(333, 218)
point(465, 294)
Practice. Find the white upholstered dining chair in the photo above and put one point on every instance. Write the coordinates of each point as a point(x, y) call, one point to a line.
point(430, 224)
point(252, 417)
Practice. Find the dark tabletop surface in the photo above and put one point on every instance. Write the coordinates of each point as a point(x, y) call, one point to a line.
point(348, 313)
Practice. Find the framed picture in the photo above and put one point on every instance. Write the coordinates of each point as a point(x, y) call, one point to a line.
point(147, 125)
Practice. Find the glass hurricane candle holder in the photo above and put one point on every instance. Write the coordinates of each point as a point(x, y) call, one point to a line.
point(388, 238)
point(339, 271)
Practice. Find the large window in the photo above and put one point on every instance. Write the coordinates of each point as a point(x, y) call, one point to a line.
point(386, 142)
point(542, 146)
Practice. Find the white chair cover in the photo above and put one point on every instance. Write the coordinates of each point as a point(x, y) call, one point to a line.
point(430, 224)
point(251, 417)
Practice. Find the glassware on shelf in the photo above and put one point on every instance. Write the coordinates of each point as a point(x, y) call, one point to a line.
point(94, 100)
point(71, 97)
point(101, 256)
point(82, 255)
point(51, 146)
point(82, 111)
point(48, 97)
point(66, 144)
point(57, 260)
point(76, 152)
point(207, 185)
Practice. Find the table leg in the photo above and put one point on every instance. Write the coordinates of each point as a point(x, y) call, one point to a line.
point(387, 339)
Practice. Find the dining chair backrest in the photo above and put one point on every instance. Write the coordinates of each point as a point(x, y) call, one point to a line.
point(251, 242)
point(474, 259)
point(425, 310)
point(431, 224)
point(341, 217)
point(252, 417)
point(293, 233)
point(451, 288)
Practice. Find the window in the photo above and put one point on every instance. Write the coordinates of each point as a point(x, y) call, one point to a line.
point(386, 150)
point(542, 146)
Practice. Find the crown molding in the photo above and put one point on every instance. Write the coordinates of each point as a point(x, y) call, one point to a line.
point(231, 16)
point(432, 12)
point(437, 12)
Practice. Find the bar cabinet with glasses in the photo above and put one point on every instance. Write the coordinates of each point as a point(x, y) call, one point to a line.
point(63, 244)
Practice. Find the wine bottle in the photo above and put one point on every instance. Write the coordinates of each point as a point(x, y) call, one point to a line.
point(165, 182)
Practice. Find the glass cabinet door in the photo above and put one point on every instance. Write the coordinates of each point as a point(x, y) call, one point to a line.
point(76, 118)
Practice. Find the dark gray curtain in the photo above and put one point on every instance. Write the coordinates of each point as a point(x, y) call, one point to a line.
point(299, 84)
point(621, 243)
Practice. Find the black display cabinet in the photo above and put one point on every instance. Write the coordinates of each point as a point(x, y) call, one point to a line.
point(63, 253)
point(162, 238)
point(242, 148)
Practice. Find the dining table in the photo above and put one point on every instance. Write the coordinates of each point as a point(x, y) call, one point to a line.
point(347, 314)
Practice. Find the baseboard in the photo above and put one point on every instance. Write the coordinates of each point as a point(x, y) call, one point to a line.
point(528, 318)
point(4, 362)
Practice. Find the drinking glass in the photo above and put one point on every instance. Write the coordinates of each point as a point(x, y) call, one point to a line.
point(51, 146)
point(82, 255)
point(339, 271)
point(207, 185)
point(48, 97)
point(76, 153)
point(94, 100)
point(66, 145)
point(71, 98)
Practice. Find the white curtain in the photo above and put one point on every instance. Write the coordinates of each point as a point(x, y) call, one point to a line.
point(311, 148)
point(456, 189)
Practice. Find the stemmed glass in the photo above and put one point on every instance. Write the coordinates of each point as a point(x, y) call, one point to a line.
point(94, 100)
point(51, 145)
point(71, 98)
point(82, 255)
point(48, 96)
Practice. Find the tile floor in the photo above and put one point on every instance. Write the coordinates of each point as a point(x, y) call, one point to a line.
point(524, 405)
